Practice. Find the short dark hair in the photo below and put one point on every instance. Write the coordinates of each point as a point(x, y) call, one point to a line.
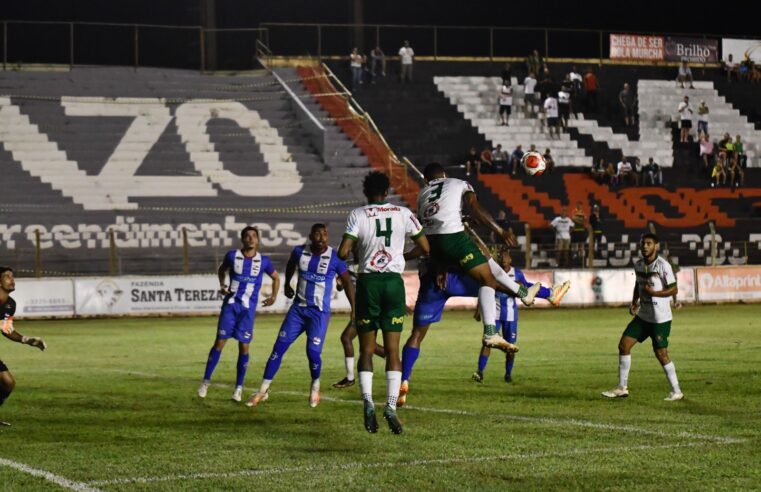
point(376, 183)
point(318, 225)
point(4, 269)
point(431, 170)
point(248, 228)
point(649, 235)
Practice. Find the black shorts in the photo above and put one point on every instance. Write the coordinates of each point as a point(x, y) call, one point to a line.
point(3, 367)
point(578, 236)
point(686, 124)
point(505, 109)
point(552, 122)
point(565, 110)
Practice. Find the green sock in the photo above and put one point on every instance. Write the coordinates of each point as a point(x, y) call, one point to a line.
point(522, 292)
point(490, 330)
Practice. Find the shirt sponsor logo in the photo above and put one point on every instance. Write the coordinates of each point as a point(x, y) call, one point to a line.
point(397, 320)
point(432, 210)
point(380, 260)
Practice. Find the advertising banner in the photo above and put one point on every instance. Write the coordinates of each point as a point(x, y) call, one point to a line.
point(729, 284)
point(741, 49)
point(693, 50)
point(636, 47)
point(44, 298)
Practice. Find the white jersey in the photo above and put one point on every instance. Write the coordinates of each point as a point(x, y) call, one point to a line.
point(562, 226)
point(529, 84)
point(551, 106)
point(660, 276)
point(406, 55)
point(380, 231)
point(506, 95)
point(685, 111)
point(439, 205)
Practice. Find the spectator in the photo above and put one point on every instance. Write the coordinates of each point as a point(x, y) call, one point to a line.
point(739, 151)
point(702, 118)
point(719, 173)
point(501, 221)
point(736, 173)
point(591, 86)
point(530, 100)
point(472, 161)
point(577, 81)
point(377, 62)
point(652, 172)
point(638, 171)
point(549, 161)
point(546, 85)
point(596, 225)
point(610, 170)
point(485, 166)
point(406, 56)
point(516, 157)
point(499, 159)
point(564, 102)
point(626, 99)
point(685, 119)
point(727, 146)
point(534, 62)
point(579, 230)
point(562, 225)
point(598, 170)
point(730, 66)
point(706, 151)
point(355, 61)
point(626, 173)
point(684, 74)
point(507, 74)
point(551, 111)
point(505, 102)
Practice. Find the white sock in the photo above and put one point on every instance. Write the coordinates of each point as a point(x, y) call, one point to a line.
point(366, 385)
point(349, 361)
point(670, 371)
point(624, 364)
point(316, 384)
point(239, 388)
point(502, 277)
point(488, 308)
point(393, 382)
point(265, 387)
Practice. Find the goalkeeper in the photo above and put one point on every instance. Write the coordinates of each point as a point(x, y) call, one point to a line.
point(7, 310)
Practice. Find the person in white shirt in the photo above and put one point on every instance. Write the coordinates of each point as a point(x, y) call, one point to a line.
point(530, 100)
point(655, 284)
point(703, 112)
point(499, 159)
point(552, 111)
point(685, 119)
point(684, 74)
point(562, 225)
point(505, 102)
point(730, 66)
point(406, 56)
point(355, 61)
point(625, 172)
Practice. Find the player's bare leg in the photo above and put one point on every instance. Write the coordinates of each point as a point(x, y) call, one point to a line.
point(624, 365)
point(366, 350)
point(347, 341)
point(393, 379)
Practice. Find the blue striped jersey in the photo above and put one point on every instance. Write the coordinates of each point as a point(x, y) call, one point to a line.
point(246, 275)
point(316, 274)
point(507, 305)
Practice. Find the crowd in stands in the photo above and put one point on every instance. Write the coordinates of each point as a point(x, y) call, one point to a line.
point(498, 161)
point(746, 70)
point(628, 171)
point(363, 71)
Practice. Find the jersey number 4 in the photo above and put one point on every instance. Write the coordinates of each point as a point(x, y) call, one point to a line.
point(385, 233)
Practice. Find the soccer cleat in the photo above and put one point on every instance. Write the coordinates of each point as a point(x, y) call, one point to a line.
point(371, 424)
point(674, 396)
point(558, 292)
point(616, 392)
point(5, 424)
point(403, 390)
point(344, 383)
point(314, 398)
point(257, 398)
point(496, 341)
point(478, 377)
point(238, 394)
point(393, 420)
point(203, 389)
point(531, 293)
point(508, 378)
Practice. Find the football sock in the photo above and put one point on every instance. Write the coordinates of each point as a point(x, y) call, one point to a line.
point(276, 357)
point(409, 357)
point(670, 371)
point(211, 363)
point(4, 394)
point(624, 364)
point(265, 387)
point(315, 361)
point(349, 362)
point(393, 382)
point(488, 309)
point(544, 292)
point(241, 368)
point(316, 384)
point(504, 279)
point(482, 360)
point(509, 366)
point(366, 385)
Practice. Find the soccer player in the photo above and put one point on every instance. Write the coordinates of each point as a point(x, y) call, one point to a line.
point(654, 287)
point(379, 230)
point(7, 310)
point(246, 268)
point(318, 265)
point(440, 211)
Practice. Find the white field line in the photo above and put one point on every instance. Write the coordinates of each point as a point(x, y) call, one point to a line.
point(539, 420)
point(50, 477)
point(455, 460)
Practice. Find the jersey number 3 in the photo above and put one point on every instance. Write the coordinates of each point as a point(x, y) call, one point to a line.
point(436, 193)
point(385, 233)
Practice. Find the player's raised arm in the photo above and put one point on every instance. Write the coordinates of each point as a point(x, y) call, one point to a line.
point(350, 236)
point(485, 218)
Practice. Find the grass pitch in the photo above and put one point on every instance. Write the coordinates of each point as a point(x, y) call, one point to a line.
point(112, 405)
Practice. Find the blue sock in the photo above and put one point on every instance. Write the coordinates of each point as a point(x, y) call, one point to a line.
point(276, 357)
point(509, 367)
point(211, 363)
point(315, 362)
point(482, 360)
point(242, 364)
point(544, 292)
point(409, 357)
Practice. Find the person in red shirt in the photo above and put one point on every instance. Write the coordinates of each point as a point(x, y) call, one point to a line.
point(591, 86)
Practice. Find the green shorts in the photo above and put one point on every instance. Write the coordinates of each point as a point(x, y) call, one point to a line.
point(456, 249)
point(380, 302)
point(641, 330)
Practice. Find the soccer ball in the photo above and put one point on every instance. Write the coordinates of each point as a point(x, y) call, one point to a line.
point(533, 163)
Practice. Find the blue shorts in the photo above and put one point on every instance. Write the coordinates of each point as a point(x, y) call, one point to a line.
point(304, 319)
point(236, 321)
point(430, 299)
point(509, 330)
